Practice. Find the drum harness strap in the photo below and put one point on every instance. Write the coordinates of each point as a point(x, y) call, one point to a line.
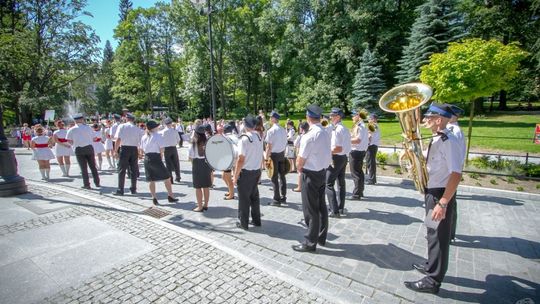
point(249, 138)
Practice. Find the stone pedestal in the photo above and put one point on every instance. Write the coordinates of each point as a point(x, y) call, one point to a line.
point(11, 183)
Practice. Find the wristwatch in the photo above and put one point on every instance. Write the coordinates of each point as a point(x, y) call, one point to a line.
point(442, 205)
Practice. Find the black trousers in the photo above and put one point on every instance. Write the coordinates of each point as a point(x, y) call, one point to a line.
point(314, 206)
point(278, 178)
point(336, 171)
point(454, 219)
point(371, 164)
point(356, 163)
point(85, 158)
point(171, 161)
point(181, 139)
point(129, 157)
point(248, 197)
point(438, 240)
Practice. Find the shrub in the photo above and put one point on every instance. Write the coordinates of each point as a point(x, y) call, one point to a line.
point(510, 180)
point(519, 188)
point(493, 181)
point(478, 184)
point(382, 158)
point(398, 171)
point(537, 186)
point(481, 162)
point(532, 170)
point(474, 175)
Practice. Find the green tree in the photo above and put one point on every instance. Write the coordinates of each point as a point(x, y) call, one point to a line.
point(125, 6)
point(471, 69)
point(438, 23)
point(368, 85)
point(105, 81)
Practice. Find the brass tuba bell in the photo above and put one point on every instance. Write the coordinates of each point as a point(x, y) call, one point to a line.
point(405, 101)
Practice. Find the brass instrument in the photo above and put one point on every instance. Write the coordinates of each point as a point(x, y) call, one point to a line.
point(324, 122)
point(269, 165)
point(405, 101)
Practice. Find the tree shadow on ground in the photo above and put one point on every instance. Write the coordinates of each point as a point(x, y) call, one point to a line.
point(284, 231)
point(518, 246)
point(392, 218)
point(396, 200)
point(490, 199)
point(496, 289)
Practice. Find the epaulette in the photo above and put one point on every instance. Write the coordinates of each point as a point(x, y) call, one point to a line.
point(443, 135)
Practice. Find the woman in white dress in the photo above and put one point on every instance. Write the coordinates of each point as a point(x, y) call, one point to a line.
point(62, 149)
point(41, 146)
point(109, 144)
point(97, 144)
point(291, 136)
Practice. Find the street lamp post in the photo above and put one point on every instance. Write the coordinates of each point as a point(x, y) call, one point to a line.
point(11, 183)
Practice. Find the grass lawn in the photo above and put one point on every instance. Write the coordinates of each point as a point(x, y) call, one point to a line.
point(508, 133)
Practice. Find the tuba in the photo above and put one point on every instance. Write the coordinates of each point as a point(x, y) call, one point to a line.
point(405, 101)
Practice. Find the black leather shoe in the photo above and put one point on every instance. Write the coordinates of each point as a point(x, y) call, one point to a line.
point(177, 179)
point(423, 286)
point(172, 199)
point(322, 243)
point(119, 193)
point(354, 198)
point(283, 200)
point(155, 201)
point(303, 248)
point(275, 203)
point(133, 191)
point(87, 187)
point(254, 224)
point(420, 268)
point(335, 215)
point(238, 225)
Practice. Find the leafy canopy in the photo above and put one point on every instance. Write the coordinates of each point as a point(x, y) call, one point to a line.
point(471, 69)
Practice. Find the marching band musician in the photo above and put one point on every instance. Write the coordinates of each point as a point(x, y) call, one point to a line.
point(248, 173)
point(180, 130)
point(42, 153)
point(97, 144)
point(128, 137)
point(109, 144)
point(359, 144)
point(453, 126)
point(81, 137)
point(341, 146)
point(276, 142)
point(303, 127)
point(312, 161)
point(444, 164)
point(229, 130)
point(62, 149)
point(371, 153)
point(201, 171)
point(112, 133)
point(171, 138)
point(153, 144)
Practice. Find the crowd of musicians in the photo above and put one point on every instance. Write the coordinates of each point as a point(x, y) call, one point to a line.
point(319, 151)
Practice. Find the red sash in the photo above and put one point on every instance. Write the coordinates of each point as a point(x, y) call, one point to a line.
point(42, 145)
point(97, 139)
point(62, 140)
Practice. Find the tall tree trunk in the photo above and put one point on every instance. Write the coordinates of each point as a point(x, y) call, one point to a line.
point(479, 105)
point(469, 133)
point(502, 100)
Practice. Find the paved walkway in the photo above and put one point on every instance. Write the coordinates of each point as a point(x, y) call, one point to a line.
point(194, 257)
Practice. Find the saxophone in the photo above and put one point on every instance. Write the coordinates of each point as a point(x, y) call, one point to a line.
point(405, 101)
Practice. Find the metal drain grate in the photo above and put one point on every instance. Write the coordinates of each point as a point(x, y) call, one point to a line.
point(156, 212)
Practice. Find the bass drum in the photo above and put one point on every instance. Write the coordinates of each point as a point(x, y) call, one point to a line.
point(220, 152)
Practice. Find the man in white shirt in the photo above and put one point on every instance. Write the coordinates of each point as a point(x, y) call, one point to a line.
point(313, 158)
point(128, 138)
point(171, 138)
point(444, 165)
point(359, 144)
point(247, 173)
point(180, 130)
point(373, 147)
point(81, 137)
point(341, 146)
point(453, 126)
point(276, 142)
point(112, 133)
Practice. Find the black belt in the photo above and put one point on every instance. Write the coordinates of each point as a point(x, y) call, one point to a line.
point(313, 171)
point(251, 171)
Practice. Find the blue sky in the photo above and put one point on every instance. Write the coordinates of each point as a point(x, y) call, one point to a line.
point(105, 18)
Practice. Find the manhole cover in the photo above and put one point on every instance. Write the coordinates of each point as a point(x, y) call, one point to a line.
point(156, 212)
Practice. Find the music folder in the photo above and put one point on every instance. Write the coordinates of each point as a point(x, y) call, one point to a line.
point(429, 222)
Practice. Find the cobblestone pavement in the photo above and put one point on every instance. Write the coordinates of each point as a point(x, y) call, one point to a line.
point(370, 251)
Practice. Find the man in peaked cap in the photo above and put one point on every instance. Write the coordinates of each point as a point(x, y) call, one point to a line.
point(247, 173)
point(453, 126)
point(444, 164)
point(341, 146)
point(171, 139)
point(374, 139)
point(313, 159)
point(81, 137)
point(359, 145)
point(128, 137)
point(276, 142)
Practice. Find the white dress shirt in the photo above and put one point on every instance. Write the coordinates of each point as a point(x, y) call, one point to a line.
point(113, 129)
point(375, 138)
point(315, 148)
point(277, 137)
point(152, 143)
point(444, 157)
point(341, 138)
point(81, 135)
point(250, 146)
point(129, 134)
point(361, 134)
point(170, 136)
point(456, 130)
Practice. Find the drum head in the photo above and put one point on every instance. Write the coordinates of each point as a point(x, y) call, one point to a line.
point(219, 153)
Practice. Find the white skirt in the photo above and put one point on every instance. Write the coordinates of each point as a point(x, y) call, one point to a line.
point(61, 150)
point(98, 147)
point(42, 154)
point(108, 144)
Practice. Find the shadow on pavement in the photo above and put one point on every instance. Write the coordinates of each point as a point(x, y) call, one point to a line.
point(396, 200)
point(524, 248)
point(284, 231)
point(387, 256)
point(392, 218)
point(490, 199)
point(497, 289)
